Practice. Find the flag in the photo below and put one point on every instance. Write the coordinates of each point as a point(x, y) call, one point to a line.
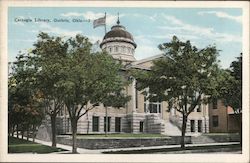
point(99, 22)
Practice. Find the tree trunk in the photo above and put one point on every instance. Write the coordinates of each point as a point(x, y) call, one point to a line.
point(106, 122)
point(22, 132)
point(183, 130)
point(28, 133)
point(17, 132)
point(53, 128)
point(34, 133)
point(74, 134)
point(13, 130)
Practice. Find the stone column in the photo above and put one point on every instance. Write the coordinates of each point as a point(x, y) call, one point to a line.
point(133, 95)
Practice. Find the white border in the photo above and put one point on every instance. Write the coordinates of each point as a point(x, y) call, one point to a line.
point(4, 156)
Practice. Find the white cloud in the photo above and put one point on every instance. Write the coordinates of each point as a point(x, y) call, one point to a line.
point(147, 48)
point(144, 51)
point(89, 15)
point(182, 28)
point(45, 27)
point(222, 15)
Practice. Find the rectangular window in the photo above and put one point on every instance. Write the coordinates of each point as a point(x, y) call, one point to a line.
point(215, 120)
point(117, 124)
point(141, 126)
point(68, 125)
point(199, 125)
point(214, 103)
point(105, 121)
point(192, 125)
point(95, 124)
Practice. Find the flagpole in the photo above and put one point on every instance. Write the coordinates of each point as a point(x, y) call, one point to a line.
point(105, 25)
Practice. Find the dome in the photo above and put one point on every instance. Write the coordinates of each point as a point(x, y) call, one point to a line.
point(119, 43)
point(118, 33)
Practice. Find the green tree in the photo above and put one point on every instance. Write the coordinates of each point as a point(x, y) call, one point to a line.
point(88, 79)
point(46, 58)
point(231, 89)
point(184, 76)
point(23, 107)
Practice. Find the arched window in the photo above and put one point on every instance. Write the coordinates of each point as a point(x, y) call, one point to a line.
point(116, 49)
point(110, 49)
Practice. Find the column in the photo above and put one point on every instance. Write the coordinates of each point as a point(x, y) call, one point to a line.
point(133, 95)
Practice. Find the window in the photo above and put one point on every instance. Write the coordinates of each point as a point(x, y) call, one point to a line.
point(199, 108)
point(105, 121)
point(153, 106)
point(129, 50)
point(110, 50)
point(199, 125)
point(68, 125)
point(95, 124)
point(215, 120)
point(214, 103)
point(116, 49)
point(141, 126)
point(117, 124)
point(192, 125)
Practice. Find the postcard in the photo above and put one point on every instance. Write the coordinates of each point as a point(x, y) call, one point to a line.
point(123, 81)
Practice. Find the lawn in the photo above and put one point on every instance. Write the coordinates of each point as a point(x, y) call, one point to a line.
point(23, 146)
point(121, 135)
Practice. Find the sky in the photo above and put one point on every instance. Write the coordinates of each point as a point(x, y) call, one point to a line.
point(149, 26)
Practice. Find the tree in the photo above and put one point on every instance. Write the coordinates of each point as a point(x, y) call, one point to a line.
point(184, 77)
point(231, 90)
point(115, 99)
point(46, 58)
point(87, 80)
point(23, 107)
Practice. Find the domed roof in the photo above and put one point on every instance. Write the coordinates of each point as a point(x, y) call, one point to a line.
point(118, 33)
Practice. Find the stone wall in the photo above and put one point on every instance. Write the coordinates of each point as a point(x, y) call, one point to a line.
point(102, 143)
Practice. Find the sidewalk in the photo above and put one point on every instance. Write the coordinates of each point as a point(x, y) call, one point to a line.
point(99, 151)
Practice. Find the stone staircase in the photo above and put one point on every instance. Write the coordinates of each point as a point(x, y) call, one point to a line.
point(171, 129)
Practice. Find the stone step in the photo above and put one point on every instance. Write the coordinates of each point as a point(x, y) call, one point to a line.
point(171, 129)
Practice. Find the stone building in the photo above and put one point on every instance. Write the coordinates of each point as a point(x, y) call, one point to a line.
point(139, 115)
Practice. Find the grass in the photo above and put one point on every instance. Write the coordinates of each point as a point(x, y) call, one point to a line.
point(197, 149)
point(23, 146)
point(121, 135)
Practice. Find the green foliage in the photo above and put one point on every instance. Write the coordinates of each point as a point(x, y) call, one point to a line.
point(231, 86)
point(23, 102)
point(183, 76)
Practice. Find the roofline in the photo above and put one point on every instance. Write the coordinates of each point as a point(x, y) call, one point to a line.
point(147, 59)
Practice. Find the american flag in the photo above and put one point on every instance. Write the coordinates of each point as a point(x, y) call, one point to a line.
point(99, 22)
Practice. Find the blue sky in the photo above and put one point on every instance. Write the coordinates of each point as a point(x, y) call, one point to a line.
point(149, 27)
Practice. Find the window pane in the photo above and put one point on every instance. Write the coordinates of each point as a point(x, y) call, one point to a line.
point(215, 119)
point(199, 125)
point(108, 124)
point(95, 124)
point(117, 124)
point(192, 125)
